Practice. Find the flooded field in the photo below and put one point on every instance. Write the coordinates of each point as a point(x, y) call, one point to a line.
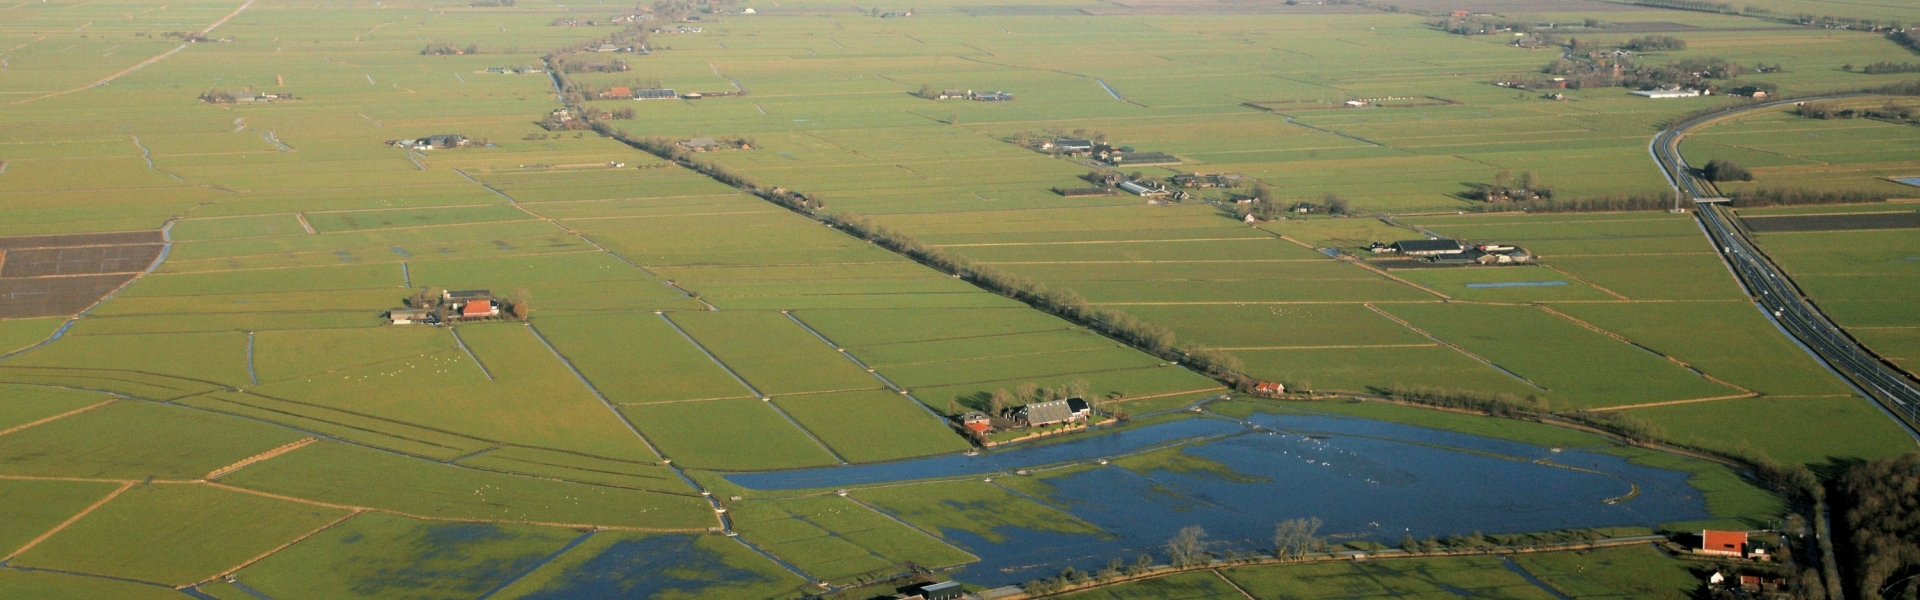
point(1366, 479)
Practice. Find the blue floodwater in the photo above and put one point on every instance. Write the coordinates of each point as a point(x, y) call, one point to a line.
point(650, 567)
point(1508, 284)
point(1365, 479)
point(445, 562)
point(1913, 181)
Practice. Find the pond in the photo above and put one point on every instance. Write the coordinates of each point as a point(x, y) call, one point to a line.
point(1365, 479)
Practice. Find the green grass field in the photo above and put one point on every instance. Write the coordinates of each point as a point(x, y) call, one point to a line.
point(517, 459)
point(176, 534)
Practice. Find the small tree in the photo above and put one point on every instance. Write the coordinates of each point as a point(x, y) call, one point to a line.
point(1188, 547)
point(522, 304)
point(1721, 169)
point(998, 401)
point(1027, 392)
point(1336, 205)
point(1294, 538)
point(926, 91)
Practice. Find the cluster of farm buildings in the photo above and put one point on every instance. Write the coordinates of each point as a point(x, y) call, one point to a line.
point(1038, 414)
point(452, 305)
point(1447, 251)
point(973, 95)
point(627, 93)
point(432, 142)
point(1111, 155)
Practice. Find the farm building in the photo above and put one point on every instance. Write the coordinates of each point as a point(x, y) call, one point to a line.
point(1057, 411)
point(1662, 94)
point(655, 94)
point(475, 309)
point(700, 144)
point(432, 142)
point(1269, 388)
point(957, 94)
point(1129, 157)
point(945, 590)
point(1073, 145)
point(1083, 192)
point(1205, 180)
point(617, 93)
point(410, 316)
point(1722, 543)
point(1143, 189)
point(1428, 247)
point(976, 422)
point(464, 296)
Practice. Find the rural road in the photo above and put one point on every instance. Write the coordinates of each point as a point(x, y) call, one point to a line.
point(1774, 290)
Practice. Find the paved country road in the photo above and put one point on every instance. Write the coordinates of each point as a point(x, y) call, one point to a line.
point(1774, 290)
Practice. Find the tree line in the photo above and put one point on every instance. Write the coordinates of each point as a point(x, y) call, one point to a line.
point(1881, 512)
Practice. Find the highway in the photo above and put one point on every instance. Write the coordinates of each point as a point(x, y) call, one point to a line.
point(1774, 291)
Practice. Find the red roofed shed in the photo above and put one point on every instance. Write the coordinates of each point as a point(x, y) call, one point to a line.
point(1724, 543)
point(478, 308)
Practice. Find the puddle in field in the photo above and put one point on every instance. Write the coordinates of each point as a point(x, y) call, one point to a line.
point(1508, 284)
point(655, 566)
point(1365, 479)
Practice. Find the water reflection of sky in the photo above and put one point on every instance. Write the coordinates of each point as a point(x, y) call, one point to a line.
point(1365, 478)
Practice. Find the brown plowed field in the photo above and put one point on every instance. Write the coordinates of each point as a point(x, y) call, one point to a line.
point(116, 238)
point(1836, 222)
point(57, 275)
point(88, 260)
point(55, 296)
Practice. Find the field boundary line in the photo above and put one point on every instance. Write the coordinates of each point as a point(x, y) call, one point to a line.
point(1166, 394)
point(58, 416)
point(595, 390)
point(1162, 365)
point(1149, 262)
point(1423, 332)
point(124, 486)
point(842, 350)
point(765, 399)
point(109, 78)
point(1349, 259)
point(1262, 302)
point(1593, 285)
point(1092, 242)
point(1675, 402)
point(864, 365)
point(455, 331)
point(583, 237)
point(1624, 339)
point(903, 522)
point(309, 502)
point(245, 462)
point(1236, 586)
point(684, 401)
point(263, 556)
point(1335, 347)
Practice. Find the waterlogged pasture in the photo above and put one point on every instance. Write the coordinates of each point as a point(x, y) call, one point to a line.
point(1236, 479)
